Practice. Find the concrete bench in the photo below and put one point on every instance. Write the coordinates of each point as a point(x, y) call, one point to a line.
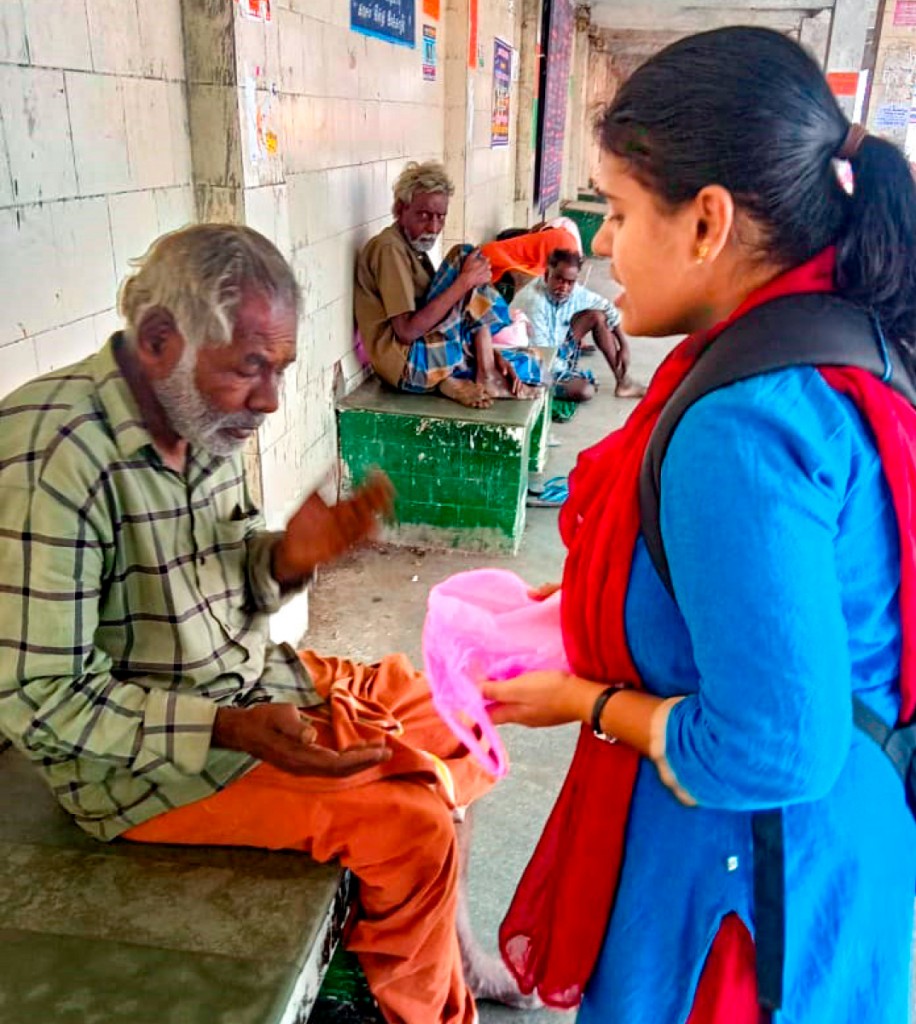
point(461, 474)
point(124, 933)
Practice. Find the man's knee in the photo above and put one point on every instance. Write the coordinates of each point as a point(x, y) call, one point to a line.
point(587, 320)
point(575, 390)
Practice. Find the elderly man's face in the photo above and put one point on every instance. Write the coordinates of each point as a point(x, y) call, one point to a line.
point(422, 219)
point(216, 396)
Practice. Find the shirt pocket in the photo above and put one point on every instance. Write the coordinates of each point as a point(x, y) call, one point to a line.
point(223, 574)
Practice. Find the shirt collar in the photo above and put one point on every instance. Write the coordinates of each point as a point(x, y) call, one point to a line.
point(117, 400)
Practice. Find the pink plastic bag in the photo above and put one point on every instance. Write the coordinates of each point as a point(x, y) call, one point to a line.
point(483, 625)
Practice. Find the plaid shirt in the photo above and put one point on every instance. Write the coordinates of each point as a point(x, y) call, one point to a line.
point(135, 602)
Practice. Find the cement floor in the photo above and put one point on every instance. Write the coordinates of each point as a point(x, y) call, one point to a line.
point(374, 602)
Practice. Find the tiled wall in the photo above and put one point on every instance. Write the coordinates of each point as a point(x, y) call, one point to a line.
point(349, 111)
point(94, 163)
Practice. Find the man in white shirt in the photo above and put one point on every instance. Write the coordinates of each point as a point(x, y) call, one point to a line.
point(563, 313)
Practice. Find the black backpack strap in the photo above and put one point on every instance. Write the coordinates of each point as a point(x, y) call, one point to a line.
point(797, 330)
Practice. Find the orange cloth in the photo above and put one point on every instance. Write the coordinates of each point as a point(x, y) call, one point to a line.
point(527, 253)
point(392, 826)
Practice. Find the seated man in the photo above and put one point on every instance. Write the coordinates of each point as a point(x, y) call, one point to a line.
point(562, 313)
point(135, 665)
point(424, 329)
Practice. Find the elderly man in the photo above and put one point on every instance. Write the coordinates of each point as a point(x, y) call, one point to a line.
point(135, 665)
point(562, 313)
point(427, 330)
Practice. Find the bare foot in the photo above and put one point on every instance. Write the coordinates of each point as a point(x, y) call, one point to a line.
point(628, 389)
point(466, 392)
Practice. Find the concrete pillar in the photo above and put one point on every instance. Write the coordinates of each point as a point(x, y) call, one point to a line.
point(815, 35)
point(893, 86)
point(578, 123)
point(213, 114)
point(459, 114)
point(846, 44)
point(526, 108)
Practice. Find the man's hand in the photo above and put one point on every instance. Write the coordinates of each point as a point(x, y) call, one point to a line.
point(281, 735)
point(319, 533)
point(475, 270)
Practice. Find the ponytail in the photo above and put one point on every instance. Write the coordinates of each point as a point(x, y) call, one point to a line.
point(876, 251)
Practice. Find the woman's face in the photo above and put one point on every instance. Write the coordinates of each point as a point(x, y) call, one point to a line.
point(654, 253)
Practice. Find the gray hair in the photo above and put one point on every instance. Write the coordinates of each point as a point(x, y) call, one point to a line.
point(427, 177)
point(200, 274)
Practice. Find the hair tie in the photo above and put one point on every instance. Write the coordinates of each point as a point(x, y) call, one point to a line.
point(852, 143)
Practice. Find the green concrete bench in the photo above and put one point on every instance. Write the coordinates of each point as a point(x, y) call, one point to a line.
point(461, 474)
point(123, 933)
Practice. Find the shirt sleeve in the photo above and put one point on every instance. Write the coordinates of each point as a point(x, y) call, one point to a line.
point(533, 304)
point(752, 489)
point(58, 697)
point(592, 300)
point(397, 290)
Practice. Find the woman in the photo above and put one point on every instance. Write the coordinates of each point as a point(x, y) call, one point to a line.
point(518, 256)
point(784, 548)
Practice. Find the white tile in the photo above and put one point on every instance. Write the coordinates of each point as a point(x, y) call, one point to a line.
point(65, 345)
point(149, 132)
point(34, 111)
point(292, 68)
point(13, 47)
point(104, 325)
point(28, 273)
point(174, 208)
point(161, 43)
point(6, 178)
point(314, 57)
point(85, 268)
point(114, 33)
point(58, 33)
point(134, 226)
point(267, 211)
point(177, 99)
point(17, 365)
point(99, 136)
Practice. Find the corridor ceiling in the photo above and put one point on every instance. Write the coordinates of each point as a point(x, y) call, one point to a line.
point(697, 15)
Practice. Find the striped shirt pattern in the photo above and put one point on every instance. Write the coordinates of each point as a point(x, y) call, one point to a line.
point(135, 602)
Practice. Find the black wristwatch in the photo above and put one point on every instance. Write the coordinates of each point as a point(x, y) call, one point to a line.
point(600, 701)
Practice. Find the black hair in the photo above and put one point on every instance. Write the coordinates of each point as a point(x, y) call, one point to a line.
point(566, 256)
point(750, 110)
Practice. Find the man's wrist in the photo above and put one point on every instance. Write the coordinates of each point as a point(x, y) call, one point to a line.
point(225, 733)
point(287, 575)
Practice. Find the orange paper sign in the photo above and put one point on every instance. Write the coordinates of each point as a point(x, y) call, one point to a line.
point(431, 9)
point(844, 83)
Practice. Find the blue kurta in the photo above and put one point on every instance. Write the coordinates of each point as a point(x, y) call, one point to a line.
point(783, 548)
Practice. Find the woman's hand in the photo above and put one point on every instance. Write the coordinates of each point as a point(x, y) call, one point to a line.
point(540, 699)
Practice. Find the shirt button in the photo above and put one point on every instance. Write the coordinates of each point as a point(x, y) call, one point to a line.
point(732, 863)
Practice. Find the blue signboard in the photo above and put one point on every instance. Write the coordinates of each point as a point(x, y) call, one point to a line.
point(391, 20)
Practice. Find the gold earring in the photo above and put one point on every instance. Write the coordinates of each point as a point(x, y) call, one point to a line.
point(702, 252)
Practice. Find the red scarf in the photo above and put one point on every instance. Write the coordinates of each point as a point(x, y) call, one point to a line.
point(552, 934)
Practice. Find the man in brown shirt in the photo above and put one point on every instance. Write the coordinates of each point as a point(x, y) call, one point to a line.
point(424, 329)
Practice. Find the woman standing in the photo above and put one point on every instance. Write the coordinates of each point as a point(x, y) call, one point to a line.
point(786, 522)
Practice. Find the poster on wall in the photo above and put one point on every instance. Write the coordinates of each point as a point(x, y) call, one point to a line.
point(557, 41)
point(391, 20)
point(429, 53)
point(502, 83)
point(473, 23)
point(256, 10)
point(905, 12)
point(431, 9)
